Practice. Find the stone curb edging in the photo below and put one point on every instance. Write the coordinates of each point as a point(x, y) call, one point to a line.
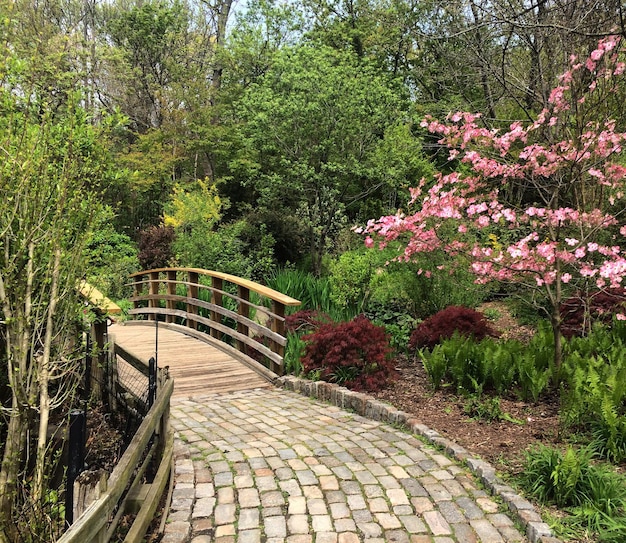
point(537, 531)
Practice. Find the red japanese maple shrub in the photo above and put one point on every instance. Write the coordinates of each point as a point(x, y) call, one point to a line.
point(155, 247)
point(442, 325)
point(579, 312)
point(355, 354)
point(305, 320)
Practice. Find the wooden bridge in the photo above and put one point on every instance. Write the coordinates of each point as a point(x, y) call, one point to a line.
point(215, 332)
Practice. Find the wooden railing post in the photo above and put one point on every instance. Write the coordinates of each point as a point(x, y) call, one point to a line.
point(192, 292)
point(137, 289)
point(278, 326)
point(243, 309)
point(171, 290)
point(216, 298)
point(154, 291)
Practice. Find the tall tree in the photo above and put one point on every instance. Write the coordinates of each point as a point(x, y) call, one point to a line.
point(315, 122)
point(51, 167)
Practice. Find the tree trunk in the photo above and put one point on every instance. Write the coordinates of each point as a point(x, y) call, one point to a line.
point(13, 447)
point(44, 381)
point(223, 11)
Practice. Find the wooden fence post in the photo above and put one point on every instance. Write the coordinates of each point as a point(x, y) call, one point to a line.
point(137, 289)
point(88, 487)
point(98, 371)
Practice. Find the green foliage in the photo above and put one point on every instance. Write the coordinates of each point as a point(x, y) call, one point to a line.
point(490, 365)
point(200, 206)
point(594, 399)
point(487, 409)
point(294, 351)
point(594, 495)
point(398, 323)
point(553, 477)
point(227, 249)
point(470, 366)
point(492, 313)
point(111, 257)
point(350, 277)
point(314, 123)
point(451, 287)
point(313, 292)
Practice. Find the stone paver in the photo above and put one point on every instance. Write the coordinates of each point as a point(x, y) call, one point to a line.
point(276, 466)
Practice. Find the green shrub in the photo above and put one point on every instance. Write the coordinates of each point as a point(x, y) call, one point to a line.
point(111, 257)
point(489, 365)
point(225, 249)
point(313, 292)
point(594, 395)
point(594, 495)
point(396, 321)
point(448, 287)
point(350, 277)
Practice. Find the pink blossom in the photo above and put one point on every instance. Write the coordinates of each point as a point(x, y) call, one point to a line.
point(369, 242)
point(463, 200)
point(596, 54)
point(620, 317)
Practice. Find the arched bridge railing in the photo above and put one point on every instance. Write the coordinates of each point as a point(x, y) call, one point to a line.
point(248, 319)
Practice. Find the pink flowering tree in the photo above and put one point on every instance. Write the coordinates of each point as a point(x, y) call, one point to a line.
point(539, 204)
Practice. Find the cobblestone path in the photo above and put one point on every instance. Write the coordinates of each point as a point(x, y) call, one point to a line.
point(273, 466)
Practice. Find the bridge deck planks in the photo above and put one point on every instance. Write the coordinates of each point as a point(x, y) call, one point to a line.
point(197, 367)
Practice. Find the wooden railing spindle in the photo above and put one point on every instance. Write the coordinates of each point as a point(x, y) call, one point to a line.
point(192, 292)
point(243, 309)
point(154, 291)
point(217, 299)
point(171, 291)
point(278, 326)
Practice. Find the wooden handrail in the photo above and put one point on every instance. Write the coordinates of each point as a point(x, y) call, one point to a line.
point(161, 299)
point(97, 299)
point(262, 290)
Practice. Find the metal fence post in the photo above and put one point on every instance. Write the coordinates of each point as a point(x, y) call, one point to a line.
point(88, 364)
point(152, 381)
point(76, 460)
